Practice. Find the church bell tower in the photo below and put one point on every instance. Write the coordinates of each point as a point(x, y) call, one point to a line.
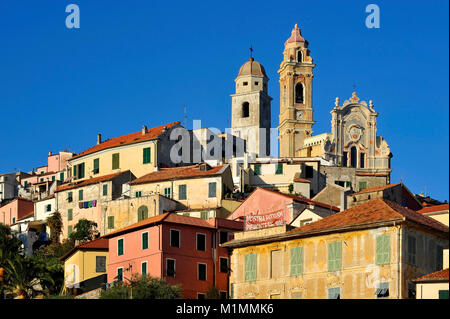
point(296, 113)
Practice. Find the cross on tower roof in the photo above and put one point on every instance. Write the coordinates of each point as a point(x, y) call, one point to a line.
point(251, 51)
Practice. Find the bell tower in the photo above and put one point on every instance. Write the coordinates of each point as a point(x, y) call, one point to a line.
point(296, 113)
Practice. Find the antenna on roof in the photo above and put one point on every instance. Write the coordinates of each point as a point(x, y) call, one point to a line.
point(185, 117)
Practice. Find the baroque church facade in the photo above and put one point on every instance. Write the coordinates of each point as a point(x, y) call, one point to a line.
point(353, 141)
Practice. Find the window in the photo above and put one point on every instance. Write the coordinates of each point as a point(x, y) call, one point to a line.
point(344, 159)
point(334, 293)
point(362, 185)
point(120, 247)
point(80, 195)
point(309, 171)
point(296, 261)
point(69, 197)
point(201, 271)
point(69, 230)
point(167, 192)
point(200, 295)
point(182, 192)
point(383, 249)
point(61, 177)
point(361, 160)
point(276, 257)
point(48, 208)
point(334, 256)
point(257, 169)
point(75, 172)
point(299, 56)
point(223, 263)
point(223, 295)
point(110, 222)
point(170, 267)
point(144, 268)
point(245, 109)
point(212, 189)
point(69, 214)
point(14, 220)
point(201, 242)
point(245, 83)
point(96, 169)
point(42, 180)
point(223, 237)
point(142, 213)
point(100, 263)
point(353, 156)
point(146, 155)
point(105, 189)
point(119, 274)
point(175, 238)
point(411, 290)
point(115, 161)
point(250, 267)
point(42, 172)
point(78, 171)
point(145, 240)
point(53, 178)
point(439, 257)
point(382, 290)
point(138, 194)
point(299, 93)
point(279, 169)
point(204, 215)
point(443, 294)
point(411, 250)
point(304, 222)
point(25, 184)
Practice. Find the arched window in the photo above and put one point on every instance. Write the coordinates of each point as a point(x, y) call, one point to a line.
point(299, 56)
point(353, 154)
point(299, 93)
point(245, 109)
point(142, 213)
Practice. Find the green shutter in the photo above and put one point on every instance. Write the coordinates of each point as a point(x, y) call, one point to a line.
point(105, 189)
point(119, 274)
point(362, 186)
point(182, 192)
point(443, 294)
point(144, 268)
point(53, 178)
point(257, 169)
point(81, 172)
point(75, 172)
point(110, 222)
point(212, 190)
point(250, 267)
point(69, 214)
point(115, 161)
point(69, 230)
point(120, 247)
point(144, 240)
point(80, 194)
point(296, 261)
point(61, 177)
point(146, 155)
point(334, 256)
point(279, 168)
point(338, 262)
point(96, 166)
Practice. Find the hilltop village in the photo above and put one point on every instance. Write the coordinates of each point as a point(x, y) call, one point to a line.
point(322, 220)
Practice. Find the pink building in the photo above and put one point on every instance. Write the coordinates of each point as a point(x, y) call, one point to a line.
point(16, 209)
point(184, 250)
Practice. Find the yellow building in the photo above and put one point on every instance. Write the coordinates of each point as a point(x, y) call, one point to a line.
point(140, 152)
point(438, 212)
point(373, 250)
point(433, 286)
point(196, 187)
point(85, 266)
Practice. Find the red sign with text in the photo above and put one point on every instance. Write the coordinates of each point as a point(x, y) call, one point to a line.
point(264, 221)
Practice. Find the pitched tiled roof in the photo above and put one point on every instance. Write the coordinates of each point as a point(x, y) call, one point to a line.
point(96, 244)
point(374, 211)
point(89, 181)
point(301, 180)
point(303, 199)
point(377, 188)
point(166, 217)
point(180, 172)
point(132, 138)
point(440, 275)
point(295, 36)
point(434, 209)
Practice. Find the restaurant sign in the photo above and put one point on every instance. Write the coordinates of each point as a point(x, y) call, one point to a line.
point(264, 221)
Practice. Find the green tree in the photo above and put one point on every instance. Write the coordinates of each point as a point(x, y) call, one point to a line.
point(55, 224)
point(291, 188)
point(213, 293)
point(142, 287)
point(84, 230)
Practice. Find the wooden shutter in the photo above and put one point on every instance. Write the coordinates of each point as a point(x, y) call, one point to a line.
point(338, 256)
point(144, 268)
point(331, 256)
point(279, 168)
point(182, 192)
point(110, 222)
point(146, 155)
point(144, 240)
point(96, 166)
point(69, 214)
point(296, 261)
point(379, 250)
point(212, 190)
point(115, 161)
point(120, 247)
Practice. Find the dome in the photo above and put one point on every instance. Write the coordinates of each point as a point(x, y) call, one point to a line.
point(251, 67)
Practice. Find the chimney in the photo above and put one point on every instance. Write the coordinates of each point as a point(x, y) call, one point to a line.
point(99, 138)
point(164, 129)
point(49, 153)
point(144, 130)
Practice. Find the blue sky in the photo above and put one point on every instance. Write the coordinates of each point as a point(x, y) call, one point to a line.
point(138, 62)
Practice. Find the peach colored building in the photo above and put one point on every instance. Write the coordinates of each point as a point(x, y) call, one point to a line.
point(16, 209)
point(181, 249)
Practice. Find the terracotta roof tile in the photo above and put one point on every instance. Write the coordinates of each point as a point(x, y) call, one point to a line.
point(434, 209)
point(440, 275)
point(89, 181)
point(166, 217)
point(180, 172)
point(301, 180)
point(377, 210)
point(132, 138)
point(377, 188)
point(99, 243)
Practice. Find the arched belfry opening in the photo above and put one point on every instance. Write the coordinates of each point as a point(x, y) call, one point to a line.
point(245, 109)
point(299, 96)
point(353, 154)
point(299, 56)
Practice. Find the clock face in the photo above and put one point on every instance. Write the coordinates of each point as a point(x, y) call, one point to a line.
point(299, 115)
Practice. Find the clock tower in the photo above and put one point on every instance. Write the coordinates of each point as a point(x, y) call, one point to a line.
point(296, 113)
